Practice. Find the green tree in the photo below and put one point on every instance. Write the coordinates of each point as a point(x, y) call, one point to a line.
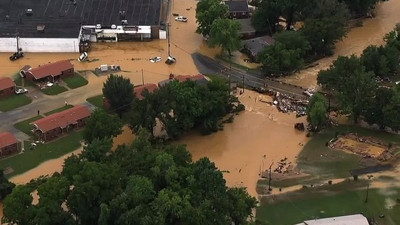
point(207, 11)
point(18, 207)
point(293, 40)
point(119, 93)
point(243, 203)
point(225, 33)
point(317, 112)
point(266, 16)
point(97, 149)
point(360, 7)
point(374, 61)
point(353, 86)
point(5, 186)
point(289, 9)
point(391, 112)
point(101, 125)
point(374, 113)
point(278, 59)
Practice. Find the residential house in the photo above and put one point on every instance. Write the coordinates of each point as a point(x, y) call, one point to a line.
point(247, 30)
point(356, 219)
point(199, 79)
point(137, 91)
point(49, 72)
point(238, 9)
point(8, 144)
point(57, 124)
point(255, 45)
point(7, 87)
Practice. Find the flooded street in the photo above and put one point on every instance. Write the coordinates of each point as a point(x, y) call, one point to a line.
point(358, 38)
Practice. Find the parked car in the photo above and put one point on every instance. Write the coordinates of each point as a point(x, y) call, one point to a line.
point(20, 90)
point(16, 56)
point(181, 19)
point(170, 60)
point(155, 59)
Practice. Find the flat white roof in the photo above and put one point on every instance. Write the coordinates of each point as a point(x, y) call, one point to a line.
point(357, 219)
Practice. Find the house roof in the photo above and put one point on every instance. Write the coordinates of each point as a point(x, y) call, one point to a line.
point(139, 89)
point(199, 78)
point(356, 219)
point(256, 45)
point(51, 69)
point(62, 119)
point(6, 82)
point(7, 139)
point(237, 5)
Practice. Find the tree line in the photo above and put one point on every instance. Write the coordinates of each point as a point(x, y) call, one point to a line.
point(137, 184)
point(178, 106)
point(323, 25)
point(362, 85)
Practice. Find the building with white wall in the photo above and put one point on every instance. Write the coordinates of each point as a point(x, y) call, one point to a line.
point(61, 25)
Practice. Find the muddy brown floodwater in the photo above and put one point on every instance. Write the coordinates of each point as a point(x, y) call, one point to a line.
point(371, 33)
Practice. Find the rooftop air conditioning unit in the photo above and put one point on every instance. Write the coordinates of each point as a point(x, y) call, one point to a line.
point(113, 26)
point(98, 26)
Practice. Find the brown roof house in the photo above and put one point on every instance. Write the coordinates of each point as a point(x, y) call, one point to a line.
point(57, 124)
point(238, 9)
point(199, 79)
point(8, 144)
point(137, 91)
point(49, 72)
point(255, 45)
point(7, 87)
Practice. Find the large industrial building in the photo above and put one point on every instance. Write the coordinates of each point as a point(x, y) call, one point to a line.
point(61, 25)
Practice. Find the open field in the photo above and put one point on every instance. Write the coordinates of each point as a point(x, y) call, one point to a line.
point(31, 158)
point(336, 200)
point(24, 125)
point(75, 81)
point(58, 110)
point(13, 102)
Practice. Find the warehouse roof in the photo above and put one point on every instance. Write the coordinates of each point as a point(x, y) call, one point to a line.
point(63, 18)
point(6, 82)
point(7, 139)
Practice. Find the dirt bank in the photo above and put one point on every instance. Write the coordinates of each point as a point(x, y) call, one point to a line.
point(371, 33)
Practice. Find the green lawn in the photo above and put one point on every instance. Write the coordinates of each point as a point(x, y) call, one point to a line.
point(43, 152)
point(54, 90)
point(25, 127)
point(13, 101)
point(58, 110)
point(18, 81)
point(319, 160)
point(96, 101)
point(308, 204)
point(75, 81)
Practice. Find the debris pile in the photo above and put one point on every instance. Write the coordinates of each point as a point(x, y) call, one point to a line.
point(288, 104)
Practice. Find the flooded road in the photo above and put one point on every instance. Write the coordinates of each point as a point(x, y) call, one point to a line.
point(358, 38)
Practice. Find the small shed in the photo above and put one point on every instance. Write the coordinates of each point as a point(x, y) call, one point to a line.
point(7, 87)
point(8, 144)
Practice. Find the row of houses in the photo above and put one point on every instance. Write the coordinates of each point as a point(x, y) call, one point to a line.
point(7, 87)
point(48, 72)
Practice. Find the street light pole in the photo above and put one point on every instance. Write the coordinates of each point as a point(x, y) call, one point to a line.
point(169, 45)
point(243, 84)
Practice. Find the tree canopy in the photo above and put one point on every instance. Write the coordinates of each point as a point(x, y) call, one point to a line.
point(101, 125)
point(225, 33)
point(317, 112)
point(207, 11)
point(119, 93)
point(5, 186)
point(137, 184)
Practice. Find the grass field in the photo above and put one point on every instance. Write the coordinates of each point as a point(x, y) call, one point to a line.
point(319, 160)
point(306, 205)
point(54, 90)
point(75, 81)
point(58, 110)
point(25, 127)
point(18, 81)
point(13, 101)
point(96, 101)
point(43, 152)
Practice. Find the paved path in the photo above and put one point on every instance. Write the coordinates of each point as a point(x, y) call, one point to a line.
point(208, 65)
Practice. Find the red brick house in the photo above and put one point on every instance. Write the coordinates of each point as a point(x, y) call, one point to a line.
point(238, 9)
point(57, 124)
point(199, 79)
point(8, 144)
point(137, 91)
point(49, 72)
point(7, 87)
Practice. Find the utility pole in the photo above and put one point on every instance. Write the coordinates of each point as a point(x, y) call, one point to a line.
point(169, 45)
point(243, 84)
point(142, 77)
point(366, 197)
point(269, 178)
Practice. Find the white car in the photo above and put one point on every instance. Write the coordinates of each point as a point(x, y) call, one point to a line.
point(181, 19)
point(20, 90)
point(155, 59)
point(83, 57)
